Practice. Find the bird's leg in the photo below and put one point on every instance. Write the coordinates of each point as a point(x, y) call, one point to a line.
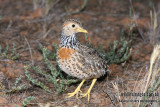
point(89, 90)
point(77, 90)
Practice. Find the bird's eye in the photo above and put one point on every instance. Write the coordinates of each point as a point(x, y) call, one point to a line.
point(73, 25)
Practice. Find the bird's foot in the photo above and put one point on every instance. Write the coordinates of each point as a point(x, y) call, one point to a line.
point(89, 90)
point(86, 94)
point(76, 92)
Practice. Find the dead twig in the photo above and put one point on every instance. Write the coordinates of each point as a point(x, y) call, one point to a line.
point(110, 98)
point(136, 23)
point(30, 51)
point(83, 6)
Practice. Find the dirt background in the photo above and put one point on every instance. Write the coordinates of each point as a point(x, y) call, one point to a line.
point(104, 19)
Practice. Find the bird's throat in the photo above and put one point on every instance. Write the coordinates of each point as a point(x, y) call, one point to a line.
point(68, 41)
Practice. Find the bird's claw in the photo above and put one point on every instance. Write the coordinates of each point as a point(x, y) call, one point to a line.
point(76, 92)
point(86, 94)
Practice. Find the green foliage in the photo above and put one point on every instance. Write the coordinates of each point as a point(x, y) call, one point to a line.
point(15, 87)
point(116, 54)
point(49, 54)
point(2, 88)
point(151, 90)
point(34, 81)
point(55, 46)
point(55, 75)
point(155, 86)
point(120, 55)
point(27, 100)
point(15, 105)
point(4, 53)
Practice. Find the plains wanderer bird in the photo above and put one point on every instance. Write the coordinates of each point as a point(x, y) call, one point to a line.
point(78, 60)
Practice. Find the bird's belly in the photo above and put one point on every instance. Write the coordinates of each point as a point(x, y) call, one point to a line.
point(68, 63)
point(70, 67)
point(74, 68)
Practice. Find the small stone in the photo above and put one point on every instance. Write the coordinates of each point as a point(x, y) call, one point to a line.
point(147, 57)
point(71, 103)
point(3, 100)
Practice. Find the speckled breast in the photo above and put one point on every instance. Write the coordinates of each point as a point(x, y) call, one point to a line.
point(67, 62)
point(74, 64)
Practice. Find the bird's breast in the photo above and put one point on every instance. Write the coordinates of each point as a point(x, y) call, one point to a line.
point(65, 53)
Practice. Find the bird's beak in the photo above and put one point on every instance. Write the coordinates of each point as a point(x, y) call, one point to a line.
point(82, 30)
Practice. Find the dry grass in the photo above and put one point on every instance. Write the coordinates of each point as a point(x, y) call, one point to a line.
point(150, 83)
point(154, 67)
point(115, 86)
point(154, 29)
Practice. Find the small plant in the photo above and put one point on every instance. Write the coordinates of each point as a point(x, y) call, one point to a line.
point(13, 89)
point(2, 88)
point(16, 87)
point(115, 55)
point(27, 100)
point(4, 53)
point(34, 81)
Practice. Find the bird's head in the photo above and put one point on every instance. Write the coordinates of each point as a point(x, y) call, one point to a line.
point(71, 27)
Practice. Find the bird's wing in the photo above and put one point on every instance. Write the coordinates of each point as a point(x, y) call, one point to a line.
point(92, 61)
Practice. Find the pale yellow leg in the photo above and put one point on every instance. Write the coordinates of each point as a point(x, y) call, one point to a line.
point(89, 90)
point(77, 90)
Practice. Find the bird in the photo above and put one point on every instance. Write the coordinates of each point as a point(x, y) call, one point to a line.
point(78, 60)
